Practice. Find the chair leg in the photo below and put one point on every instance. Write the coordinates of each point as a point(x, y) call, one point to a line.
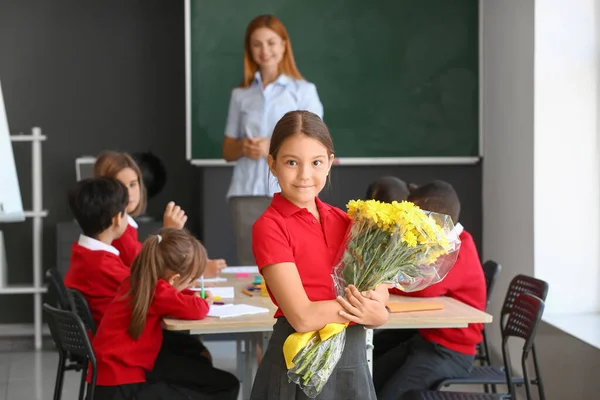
point(538, 376)
point(92, 385)
point(82, 384)
point(486, 349)
point(484, 354)
point(60, 374)
point(526, 378)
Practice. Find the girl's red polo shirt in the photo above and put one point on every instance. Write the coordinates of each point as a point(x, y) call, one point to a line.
point(288, 233)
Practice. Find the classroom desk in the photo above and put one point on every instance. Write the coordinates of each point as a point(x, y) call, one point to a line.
point(252, 330)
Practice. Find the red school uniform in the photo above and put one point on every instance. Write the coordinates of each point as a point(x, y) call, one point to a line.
point(465, 282)
point(288, 233)
point(97, 271)
point(123, 360)
point(128, 244)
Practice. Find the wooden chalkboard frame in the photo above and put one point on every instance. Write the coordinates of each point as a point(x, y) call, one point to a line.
point(341, 160)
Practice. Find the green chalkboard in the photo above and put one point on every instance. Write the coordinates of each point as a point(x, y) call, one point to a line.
point(397, 78)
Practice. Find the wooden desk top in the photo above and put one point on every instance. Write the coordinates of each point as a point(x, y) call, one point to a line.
point(454, 315)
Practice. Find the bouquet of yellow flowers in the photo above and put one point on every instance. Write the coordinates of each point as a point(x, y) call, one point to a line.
point(394, 243)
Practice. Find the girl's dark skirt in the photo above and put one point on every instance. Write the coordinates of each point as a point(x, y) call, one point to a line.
point(350, 379)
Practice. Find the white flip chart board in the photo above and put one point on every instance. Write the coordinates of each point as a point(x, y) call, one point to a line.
point(11, 206)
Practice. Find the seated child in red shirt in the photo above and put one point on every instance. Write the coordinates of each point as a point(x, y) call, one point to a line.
point(96, 270)
point(122, 167)
point(437, 354)
point(129, 337)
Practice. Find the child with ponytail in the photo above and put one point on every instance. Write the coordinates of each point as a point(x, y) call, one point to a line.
point(128, 341)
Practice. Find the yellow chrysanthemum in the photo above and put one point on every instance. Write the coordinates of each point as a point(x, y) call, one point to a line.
point(405, 219)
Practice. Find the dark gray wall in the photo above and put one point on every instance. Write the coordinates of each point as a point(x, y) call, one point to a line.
point(93, 75)
point(110, 75)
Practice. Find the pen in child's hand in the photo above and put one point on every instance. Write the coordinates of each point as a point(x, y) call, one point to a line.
point(202, 287)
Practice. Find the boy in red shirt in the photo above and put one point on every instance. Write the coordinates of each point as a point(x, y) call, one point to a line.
point(96, 270)
point(437, 354)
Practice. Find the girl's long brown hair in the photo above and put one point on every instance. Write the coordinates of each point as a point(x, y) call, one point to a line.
point(176, 252)
point(110, 163)
point(287, 65)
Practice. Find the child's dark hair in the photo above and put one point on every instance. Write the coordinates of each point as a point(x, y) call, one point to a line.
point(387, 189)
point(110, 163)
point(172, 251)
point(437, 196)
point(94, 202)
point(300, 122)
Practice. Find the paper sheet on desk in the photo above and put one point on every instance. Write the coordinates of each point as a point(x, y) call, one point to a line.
point(251, 269)
point(213, 280)
point(234, 310)
point(225, 292)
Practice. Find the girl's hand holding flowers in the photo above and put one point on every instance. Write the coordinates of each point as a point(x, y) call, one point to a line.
point(380, 294)
point(363, 310)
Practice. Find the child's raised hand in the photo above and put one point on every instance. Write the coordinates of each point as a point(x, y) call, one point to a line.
point(174, 216)
point(362, 310)
point(214, 267)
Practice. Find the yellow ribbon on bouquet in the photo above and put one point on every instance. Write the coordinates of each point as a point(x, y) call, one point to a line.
point(299, 340)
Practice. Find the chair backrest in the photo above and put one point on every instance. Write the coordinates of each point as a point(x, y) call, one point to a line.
point(521, 284)
point(79, 305)
point(56, 282)
point(491, 271)
point(69, 333)
point(523, 320)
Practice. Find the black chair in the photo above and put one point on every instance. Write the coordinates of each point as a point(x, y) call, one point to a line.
point(58, 288)
point(62, 302)
point(491, 271)
point(71, 338)
point(526, 314)
point(79, 305)
point(493, 375)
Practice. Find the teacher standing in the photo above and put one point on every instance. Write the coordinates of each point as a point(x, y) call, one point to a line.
point(271, 87)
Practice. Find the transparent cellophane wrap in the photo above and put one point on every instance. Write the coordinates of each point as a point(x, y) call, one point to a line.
point(410, 257)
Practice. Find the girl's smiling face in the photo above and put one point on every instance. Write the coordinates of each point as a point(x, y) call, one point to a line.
point(301, 167)
point(131, 180)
